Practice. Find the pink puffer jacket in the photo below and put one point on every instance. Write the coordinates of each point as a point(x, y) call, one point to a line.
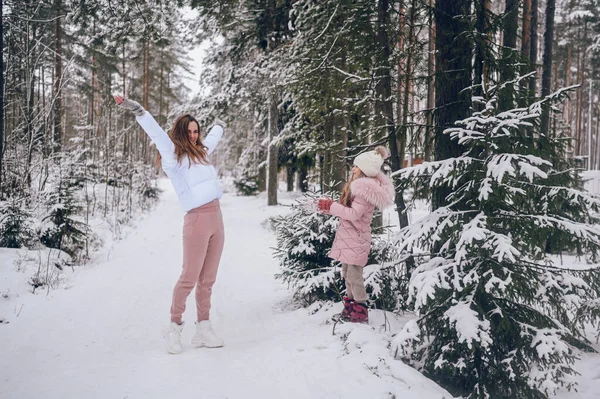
point(352, 242)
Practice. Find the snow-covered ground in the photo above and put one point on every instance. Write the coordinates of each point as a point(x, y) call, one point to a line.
point(98, 335)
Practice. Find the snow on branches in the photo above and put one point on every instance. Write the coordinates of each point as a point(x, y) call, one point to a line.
point(498, 312)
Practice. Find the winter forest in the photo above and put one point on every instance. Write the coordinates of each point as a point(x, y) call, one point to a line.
point(483, 278)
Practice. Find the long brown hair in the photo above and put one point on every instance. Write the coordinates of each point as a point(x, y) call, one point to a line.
point(196, 152)
point(346, 196)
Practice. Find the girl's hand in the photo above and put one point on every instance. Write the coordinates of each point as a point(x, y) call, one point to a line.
point(324, 204)
point(130, 105)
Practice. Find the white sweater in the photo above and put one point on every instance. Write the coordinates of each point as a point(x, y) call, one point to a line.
point(195, 184)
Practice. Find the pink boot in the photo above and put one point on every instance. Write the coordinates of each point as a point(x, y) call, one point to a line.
point(359, 313)
point(348, 306)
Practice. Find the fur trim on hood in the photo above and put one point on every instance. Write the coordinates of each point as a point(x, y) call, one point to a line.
point(378, 191)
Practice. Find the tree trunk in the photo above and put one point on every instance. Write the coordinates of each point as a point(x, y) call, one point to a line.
point(262, 178)
point(401, 68)
point(533, 48)
point(272, 151)
point(303, 178)
point(1, 113)
point(385, 97)
point(146, 85)
point(338, 154)
point(161, 119)
point(430, 89)
point(57, 79)
point(589, 137)
point(525, 48)
point(340, 139)
point(568, 80)
point(123, 69)
point(291, 172)
point(581, 91)
point(29, 107)
point(407, 84)
point(547, 64)
point(481, 46)
point(597, 136)
point(509, 52)
point(453, 65)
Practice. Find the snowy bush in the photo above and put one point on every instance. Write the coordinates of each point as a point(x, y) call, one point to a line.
point(16, 230)
point(246, 184)
point(498, 314)
point(247, 169)
point(62, 229)
point(304, 239)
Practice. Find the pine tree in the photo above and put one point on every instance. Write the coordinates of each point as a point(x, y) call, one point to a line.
point(63, 229)
point(498, 316)
point(16, 229)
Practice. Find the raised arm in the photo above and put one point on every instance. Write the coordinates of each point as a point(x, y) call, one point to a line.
point(355, 212)
point(158, 136)
point(213, 137)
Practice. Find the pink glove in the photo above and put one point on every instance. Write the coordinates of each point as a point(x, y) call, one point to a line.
point(324, 204)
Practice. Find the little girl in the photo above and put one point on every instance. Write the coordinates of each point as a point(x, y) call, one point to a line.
point(368, 188)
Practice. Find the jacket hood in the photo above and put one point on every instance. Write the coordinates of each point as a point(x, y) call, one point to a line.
point(378, 191)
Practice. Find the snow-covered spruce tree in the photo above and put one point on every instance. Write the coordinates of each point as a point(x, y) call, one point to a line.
point(304, 239)
point(15, 224)
point(63, 227)
point(497, 313)
point(247, 169)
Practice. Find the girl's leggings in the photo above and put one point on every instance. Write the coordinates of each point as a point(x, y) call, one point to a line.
point(355, 283)
point(203, 239)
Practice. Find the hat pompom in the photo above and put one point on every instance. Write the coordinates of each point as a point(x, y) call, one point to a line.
point(382, 151)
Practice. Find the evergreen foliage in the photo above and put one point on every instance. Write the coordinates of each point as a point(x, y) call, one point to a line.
point(498, 314)
point(16, 229)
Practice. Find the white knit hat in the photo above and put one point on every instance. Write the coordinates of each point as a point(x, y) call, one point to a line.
point(370, 162)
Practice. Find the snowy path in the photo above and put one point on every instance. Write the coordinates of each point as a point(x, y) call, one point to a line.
point(101, 338)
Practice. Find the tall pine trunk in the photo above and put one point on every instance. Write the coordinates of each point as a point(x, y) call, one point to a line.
point(581, 91)
point(547, 64)
point(272, 150)
point(57, 78)
point(30, 56)
point(407, 83)
point(384, 95)
point(509, 59)
point(453, 66)
point(481, 45)
point(338, 154)
point(145, 94)
point(339, 130)
point(525, 48)
point(533, 50)
point(401, 66)
point(1, 111)
point(430, 88)
point(124, 75)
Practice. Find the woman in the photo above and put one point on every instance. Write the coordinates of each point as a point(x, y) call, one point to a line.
point(184, 158)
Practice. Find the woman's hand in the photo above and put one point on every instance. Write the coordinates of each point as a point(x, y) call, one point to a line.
point(219, 122)
point(130, 105)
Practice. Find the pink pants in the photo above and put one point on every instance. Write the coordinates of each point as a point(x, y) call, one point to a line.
point(203, 238)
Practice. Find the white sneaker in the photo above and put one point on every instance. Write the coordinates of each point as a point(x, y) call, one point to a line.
point(205, 336)
point(173, 337)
